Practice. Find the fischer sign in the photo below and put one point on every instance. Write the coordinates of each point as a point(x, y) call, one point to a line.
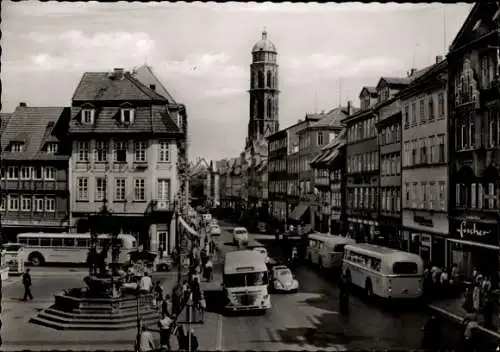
point(471, 231)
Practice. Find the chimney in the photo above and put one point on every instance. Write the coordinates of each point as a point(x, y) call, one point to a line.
point(118, 72)
point(22, 104)
point(439, 58)
point(152, 87)
point(322, 112)
point(299, 120)
point(412, 72)
point(349, 108)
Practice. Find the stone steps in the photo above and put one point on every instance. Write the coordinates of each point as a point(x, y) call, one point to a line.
point(78, 326)
point(99, 314)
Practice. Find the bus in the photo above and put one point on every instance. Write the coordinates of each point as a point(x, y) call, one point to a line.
point(326, 251)
point(383, 272)
point(245, 282)
point(41, 248)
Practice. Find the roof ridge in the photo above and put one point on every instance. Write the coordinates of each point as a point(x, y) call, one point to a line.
point(142, 87)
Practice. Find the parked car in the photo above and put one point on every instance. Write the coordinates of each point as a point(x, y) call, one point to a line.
point(283, 279)
point(240, 235)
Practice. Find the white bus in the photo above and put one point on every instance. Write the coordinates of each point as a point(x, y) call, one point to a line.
point(327, 251)
point(245, 281)
point(40, 248)
point(383, 272)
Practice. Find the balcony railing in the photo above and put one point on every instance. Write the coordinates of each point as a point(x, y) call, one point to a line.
point(34, 185)
point(158, 205)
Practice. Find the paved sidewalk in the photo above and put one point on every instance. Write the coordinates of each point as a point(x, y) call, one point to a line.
point(452, 309)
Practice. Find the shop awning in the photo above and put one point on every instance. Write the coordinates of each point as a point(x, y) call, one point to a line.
point(187, 227)
point(298, 211)
point(475, 244)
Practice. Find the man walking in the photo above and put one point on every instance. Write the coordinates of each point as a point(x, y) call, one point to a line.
point(27, 285)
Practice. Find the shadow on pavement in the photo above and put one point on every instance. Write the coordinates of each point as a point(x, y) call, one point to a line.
point(214, 300)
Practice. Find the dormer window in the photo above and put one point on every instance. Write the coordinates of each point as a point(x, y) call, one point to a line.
point(51, 148)
point(127, 116)
point(88, 116)
point(17, 147)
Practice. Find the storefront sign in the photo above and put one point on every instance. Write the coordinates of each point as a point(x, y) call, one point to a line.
point(422, 220)
point(476, 231)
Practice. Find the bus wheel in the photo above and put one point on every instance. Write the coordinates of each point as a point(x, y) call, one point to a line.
point(36, 259)
point(369, 289)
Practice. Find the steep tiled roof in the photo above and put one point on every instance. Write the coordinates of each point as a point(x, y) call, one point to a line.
point(332, 118)
point(102, 86)
point(32, 126)
point(148, 119)
point(145, 75)
point(397, 80)
point(4, 119)
point(330, 151)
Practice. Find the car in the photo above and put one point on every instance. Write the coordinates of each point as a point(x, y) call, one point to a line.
point(206, 217)
point(263, 251)
point(215, 230)
point(240, 235)
point(283, 279)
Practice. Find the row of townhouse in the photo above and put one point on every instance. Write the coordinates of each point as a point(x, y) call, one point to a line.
point(119, 147)
point(417, 167)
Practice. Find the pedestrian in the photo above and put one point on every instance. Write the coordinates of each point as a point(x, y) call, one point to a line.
point(161, 250)
point(468, 305)
point(182, 338)
point(27, 285)
point(432, 335)
point(146, 340)
point(476, 298)
point(158, 293)
point(177, 296)
point(193, 345)
point(167, 306)
point(488, 311)
point(165, 324)
point(208, 270)
point(145, 284)
point(469, 326)
point(212, 246)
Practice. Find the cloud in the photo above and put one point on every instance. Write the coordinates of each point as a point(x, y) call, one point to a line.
point(208, 65)
point(323, 65)
point(301, 8)
point(224, 92)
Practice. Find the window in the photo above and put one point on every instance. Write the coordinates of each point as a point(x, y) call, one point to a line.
point(101, 151)
point(140, 151)
point(442, 195)
point(49, 173)
point(413, 153)
point(423, 194)
point(17, 147)
point(320, 138)
point(3, 203)
point(139, 189)
point(25, 203)
point(120, 151)
point(83, 189)
point(37, 173)
point(441, 149)
point(430, 107)
point(12, 173)
point(50, 204)
point(423, 152)
point(82, 148)
point(269, 108)
point(38, 203)
point(25, 173)
point(413, 113)
point(13, 202)
point(88, 116)
point(422, 111)
point(120, 189)
point(473, 198)
point(52, 148)
point(164, 190)
point(432, 150)
point(414, 196)
point(100, 188)
point(440, 105)
point(127, 116)
point(407, 115)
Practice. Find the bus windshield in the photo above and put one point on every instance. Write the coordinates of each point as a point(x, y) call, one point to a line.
point(405, 268)
point(245, 279)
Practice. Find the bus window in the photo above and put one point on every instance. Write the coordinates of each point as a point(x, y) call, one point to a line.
point(375, 264)
point(45, 242)
point(256, 279)
point(339, 248)
point(23, 240)
point(405, 268)
point(82, 242)
point(56, 242)
point(33, 242)
point(68, 242)
point(234, 280)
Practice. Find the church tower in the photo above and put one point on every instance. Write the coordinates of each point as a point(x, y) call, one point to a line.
point(263, 91)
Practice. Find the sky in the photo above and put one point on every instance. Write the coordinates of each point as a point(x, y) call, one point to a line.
point(202, 52)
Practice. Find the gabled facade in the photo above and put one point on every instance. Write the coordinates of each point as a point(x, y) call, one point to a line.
point(474, 141)
point(362, 169)
point(34, 171)
point(277, 174)
point(128, 142)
